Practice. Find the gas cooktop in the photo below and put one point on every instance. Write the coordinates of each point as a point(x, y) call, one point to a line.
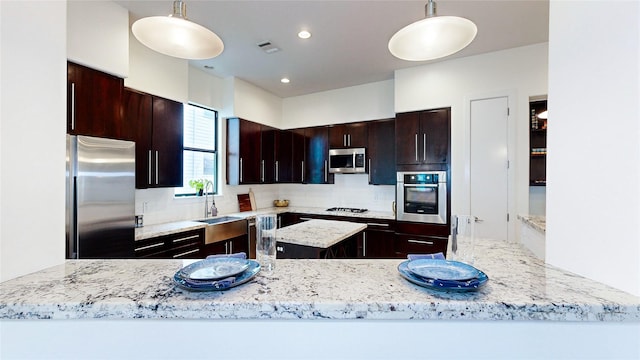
point(352, 210)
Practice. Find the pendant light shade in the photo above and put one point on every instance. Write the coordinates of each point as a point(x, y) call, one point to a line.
point(176, 36)
point(433, 37)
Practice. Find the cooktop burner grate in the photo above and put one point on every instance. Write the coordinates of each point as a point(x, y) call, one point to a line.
point(343, 209)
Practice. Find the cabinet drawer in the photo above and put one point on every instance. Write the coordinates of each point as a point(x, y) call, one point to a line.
point(185, 244)
point(412, 244)
point(151, 248)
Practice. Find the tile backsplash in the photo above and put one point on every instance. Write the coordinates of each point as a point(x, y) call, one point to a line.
point(161, 206)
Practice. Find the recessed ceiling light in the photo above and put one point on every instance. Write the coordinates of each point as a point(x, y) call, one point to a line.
point(284, 80)
point(304, 34)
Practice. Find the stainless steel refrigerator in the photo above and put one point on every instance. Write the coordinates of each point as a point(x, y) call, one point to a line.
point(100, 198)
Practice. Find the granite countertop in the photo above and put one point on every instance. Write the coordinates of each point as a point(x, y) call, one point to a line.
point(521, 287)
point(318, 233)
point(149, 231)
point(537, 222)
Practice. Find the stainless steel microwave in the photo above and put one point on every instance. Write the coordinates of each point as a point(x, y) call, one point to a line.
point(347, 161)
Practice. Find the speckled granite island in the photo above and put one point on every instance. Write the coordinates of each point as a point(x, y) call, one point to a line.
point(318, 233)
point(361, 308)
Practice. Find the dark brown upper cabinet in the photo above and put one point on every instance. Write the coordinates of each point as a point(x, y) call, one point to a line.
point(267, 154)
point(423, 139)
point(284, 156)
point(94, 103)
point(157, 126)
point(244, 139)
point(297, 155)
point(316, 162)
point(352, 135)
point(381, 155)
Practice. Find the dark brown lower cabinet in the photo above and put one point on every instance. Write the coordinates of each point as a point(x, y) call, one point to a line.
point(346, 249)
point(182, 245)
point(418, 238)
point(377, 243)
point(231, 246)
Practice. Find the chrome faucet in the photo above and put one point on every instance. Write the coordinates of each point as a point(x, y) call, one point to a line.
point(213, 211)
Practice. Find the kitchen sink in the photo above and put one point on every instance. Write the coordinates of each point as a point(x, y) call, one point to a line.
point(222, 219)
point(223, 228)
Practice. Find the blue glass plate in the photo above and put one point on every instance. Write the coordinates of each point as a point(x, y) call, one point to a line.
point(214, 268)
point(442, 269)
point(443, 285)
point(218, 285)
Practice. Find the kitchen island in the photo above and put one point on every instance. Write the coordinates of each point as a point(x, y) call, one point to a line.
point(527, 308)
point(318, 239)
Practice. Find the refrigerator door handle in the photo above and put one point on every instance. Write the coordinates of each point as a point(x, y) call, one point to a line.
point(71, 194)
point(75, 235)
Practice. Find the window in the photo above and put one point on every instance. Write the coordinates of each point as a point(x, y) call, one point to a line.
point(200, 148)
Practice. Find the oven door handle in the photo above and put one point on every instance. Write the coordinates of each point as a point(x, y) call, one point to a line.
point(421, 185)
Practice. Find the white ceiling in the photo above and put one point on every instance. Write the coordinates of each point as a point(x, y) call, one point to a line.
point(349, 42)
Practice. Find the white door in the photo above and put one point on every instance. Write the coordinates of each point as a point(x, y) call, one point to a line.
point(488, 173)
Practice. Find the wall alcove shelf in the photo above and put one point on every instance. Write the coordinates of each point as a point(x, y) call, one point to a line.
point(537, 144)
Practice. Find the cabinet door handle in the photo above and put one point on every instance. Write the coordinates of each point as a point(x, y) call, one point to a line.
point(262, 170)
point(226, 247)
point(150, 246)
point(364, 244)
point(150, 167)
point(230, 247)
point(305, 219)
point(378, 224)
point(416, 146)
point(344, 139)
point(348, 139)
point(370, 171)
point(277, 171)
point(73, 106)
point(157, 161)
point(424, 146)
point(185, 238)
point(279, 222)
point(302, 171)
point(420, 242)
point(240, 170)
point(186, 253)
point(326, 171)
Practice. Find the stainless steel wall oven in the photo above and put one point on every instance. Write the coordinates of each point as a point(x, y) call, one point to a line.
point(422, 196)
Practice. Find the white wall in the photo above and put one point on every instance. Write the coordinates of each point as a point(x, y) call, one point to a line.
point(98, 36)
point(356, 103)
point(205, 89)
point(32, 135)
point(594, 87)
point(360, 339)
point(520, 72)
point(537, 200)
point(255, 104)
point(157, 74)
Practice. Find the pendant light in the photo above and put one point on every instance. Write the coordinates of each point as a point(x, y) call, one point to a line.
point(433, 37)
point(176, 36)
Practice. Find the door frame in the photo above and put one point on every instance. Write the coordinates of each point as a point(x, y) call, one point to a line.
point(512, 103)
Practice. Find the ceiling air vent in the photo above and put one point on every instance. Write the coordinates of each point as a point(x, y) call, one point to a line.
point(268, 47)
